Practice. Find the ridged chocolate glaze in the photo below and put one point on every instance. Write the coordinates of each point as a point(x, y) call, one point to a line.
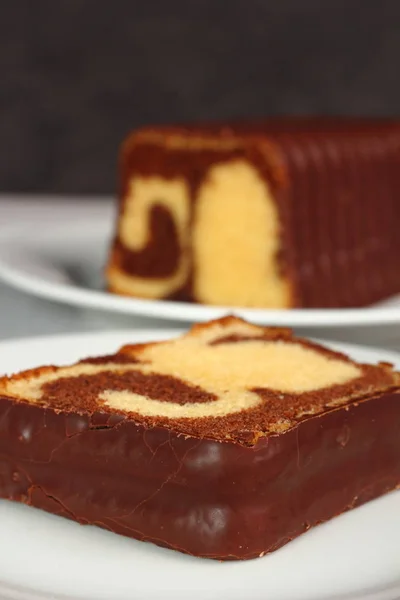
point(372, 154)
point(395, 195)
point(343, 184)
point(303, 233)
point(206, 498)
point(380, 152)
point(329, 232)
point(336, 183)
point(294, 170)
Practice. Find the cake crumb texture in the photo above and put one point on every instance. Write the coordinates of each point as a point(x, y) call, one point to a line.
point(226, 379)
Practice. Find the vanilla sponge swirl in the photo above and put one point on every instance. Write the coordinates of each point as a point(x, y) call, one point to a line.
point(227, 372)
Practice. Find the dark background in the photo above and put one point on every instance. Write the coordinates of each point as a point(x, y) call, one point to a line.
point(76, 75)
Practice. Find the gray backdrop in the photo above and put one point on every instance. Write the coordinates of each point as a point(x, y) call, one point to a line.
point(76, 75)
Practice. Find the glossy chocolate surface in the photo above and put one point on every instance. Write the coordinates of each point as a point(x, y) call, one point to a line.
point(336, 184)
point(207, 498)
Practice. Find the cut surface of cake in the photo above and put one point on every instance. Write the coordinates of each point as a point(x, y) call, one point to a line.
point(225, 443)
point(277, 214)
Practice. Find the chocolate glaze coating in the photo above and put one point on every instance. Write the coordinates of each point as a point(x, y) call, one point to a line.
point(212, 499)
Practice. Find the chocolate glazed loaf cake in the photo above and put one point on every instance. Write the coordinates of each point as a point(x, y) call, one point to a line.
point(285, 213)
point(226, 443)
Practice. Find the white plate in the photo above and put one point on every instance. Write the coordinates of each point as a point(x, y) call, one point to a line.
point(65, 261)
point(353, 557)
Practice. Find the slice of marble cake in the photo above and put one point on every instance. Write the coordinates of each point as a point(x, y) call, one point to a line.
point(225, 443)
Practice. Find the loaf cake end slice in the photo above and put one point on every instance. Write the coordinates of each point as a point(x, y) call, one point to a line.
point(202, 210)
point(280, 213)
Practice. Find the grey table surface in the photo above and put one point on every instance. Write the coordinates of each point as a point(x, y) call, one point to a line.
point(23, 315)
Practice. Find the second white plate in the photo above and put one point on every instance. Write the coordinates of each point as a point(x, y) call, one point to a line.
point(65, 262)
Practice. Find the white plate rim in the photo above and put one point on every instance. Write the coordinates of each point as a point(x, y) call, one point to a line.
point(13, 254)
